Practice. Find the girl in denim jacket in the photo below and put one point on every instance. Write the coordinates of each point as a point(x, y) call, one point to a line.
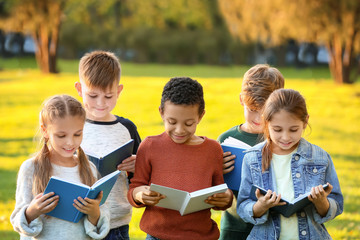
point(288, 166)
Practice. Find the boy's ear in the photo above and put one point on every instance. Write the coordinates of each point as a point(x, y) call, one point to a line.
point(201, 116)
point(78, 88)
point(241, 101)
point(119, 89)
point(161, 113)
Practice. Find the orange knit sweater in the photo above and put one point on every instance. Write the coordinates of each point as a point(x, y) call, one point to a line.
point(161, 161)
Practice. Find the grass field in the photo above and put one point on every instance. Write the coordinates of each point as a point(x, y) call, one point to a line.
point(334, 119)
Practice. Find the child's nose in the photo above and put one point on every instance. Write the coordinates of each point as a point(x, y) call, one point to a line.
point(179, 128)
point(100, 101)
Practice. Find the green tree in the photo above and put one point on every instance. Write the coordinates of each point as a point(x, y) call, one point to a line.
point(42, 20)
point(333, 23)
point(168, 14)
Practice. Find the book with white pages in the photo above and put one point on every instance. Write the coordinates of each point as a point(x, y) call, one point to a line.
point(237, 148)
point(186, 202)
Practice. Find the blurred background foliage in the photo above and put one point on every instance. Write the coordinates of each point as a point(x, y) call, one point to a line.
point(217, 32)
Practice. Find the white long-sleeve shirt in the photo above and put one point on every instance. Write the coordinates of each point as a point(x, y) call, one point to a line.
point(46, 227)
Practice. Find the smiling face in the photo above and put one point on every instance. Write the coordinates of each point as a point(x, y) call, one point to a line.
point(253, 123)
point(180, 121)
point(285, 131)
point(99, 103)
point(64, 136)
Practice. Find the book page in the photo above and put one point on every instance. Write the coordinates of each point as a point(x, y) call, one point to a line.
point(174, 197)
point(196, 200)
point(230, 141)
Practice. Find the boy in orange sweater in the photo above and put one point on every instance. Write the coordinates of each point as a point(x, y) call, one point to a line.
point(179, 159)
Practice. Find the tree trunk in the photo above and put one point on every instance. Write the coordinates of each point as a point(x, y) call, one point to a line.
point(55, 38)
point(336, 61)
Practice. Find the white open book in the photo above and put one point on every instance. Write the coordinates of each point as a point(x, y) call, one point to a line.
point(186, 202)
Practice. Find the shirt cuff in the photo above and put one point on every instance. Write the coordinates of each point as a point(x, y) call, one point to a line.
point(100, 230)
point(331, 213)
point(31, 229)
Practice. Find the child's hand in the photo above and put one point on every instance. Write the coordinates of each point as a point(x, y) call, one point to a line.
point(42, 203)
point(264, 202)
point(228, 162)
point(319, 197)
point(91, 207)
point(220, 200)
point(128, 164)
point(143, 195)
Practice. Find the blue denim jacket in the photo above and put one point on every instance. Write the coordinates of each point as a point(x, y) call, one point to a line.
point(310, 166)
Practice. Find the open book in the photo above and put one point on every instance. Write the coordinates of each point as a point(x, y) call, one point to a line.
point(68, 191)
point(107, 163)
point(291, 207)
point(236, 147)
point(186, 202)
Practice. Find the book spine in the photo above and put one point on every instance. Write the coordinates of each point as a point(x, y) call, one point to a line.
point(185, 204)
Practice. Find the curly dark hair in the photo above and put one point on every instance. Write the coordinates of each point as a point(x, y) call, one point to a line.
point(183, 91)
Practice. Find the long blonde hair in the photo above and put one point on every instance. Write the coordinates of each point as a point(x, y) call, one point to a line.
point(56, 107)
point(282, 99)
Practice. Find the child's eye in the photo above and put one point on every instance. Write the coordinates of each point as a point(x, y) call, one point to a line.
point(277, 130)
point(61, 136)
point(77, 135)
point(108, 97)
point(93, 96)
point(171, 122)
point(294, 130)
point(189, 124)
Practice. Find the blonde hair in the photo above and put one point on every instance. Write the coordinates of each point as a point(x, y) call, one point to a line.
point(288, 100)
point(56, 107)
point(100, 69)
point(258, 83)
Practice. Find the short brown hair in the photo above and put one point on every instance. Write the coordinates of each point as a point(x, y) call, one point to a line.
point(258, 83)
point(100, 69)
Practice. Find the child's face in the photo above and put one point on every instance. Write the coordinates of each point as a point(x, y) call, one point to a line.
point(253, 123)
point(180, 121)
point(285, 131)
point(64, 136)
point(97, 102)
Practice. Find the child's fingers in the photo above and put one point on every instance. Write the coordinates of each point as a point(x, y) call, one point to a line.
point(100, 196)
point(50, 200)
point(258, 194)
point(152, 200)
point(270, 195)
point(227, 154)
point(51, 206)
point(329, 188)
point(42, 196)
point(228, 166)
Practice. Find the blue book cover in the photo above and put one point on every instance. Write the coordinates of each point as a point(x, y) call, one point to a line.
point(68, 191)
point(108, 163)
point(291, 207)
point(237, 148)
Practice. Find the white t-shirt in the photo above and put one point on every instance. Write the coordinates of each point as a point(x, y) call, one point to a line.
point(281, 165)
point(102, 138)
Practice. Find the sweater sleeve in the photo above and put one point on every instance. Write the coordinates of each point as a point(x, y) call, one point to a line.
point(218, 175)
point(103, 226)
point(142, 171)
point(23, 198)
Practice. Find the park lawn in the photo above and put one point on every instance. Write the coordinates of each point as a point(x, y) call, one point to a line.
point(334, 120)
